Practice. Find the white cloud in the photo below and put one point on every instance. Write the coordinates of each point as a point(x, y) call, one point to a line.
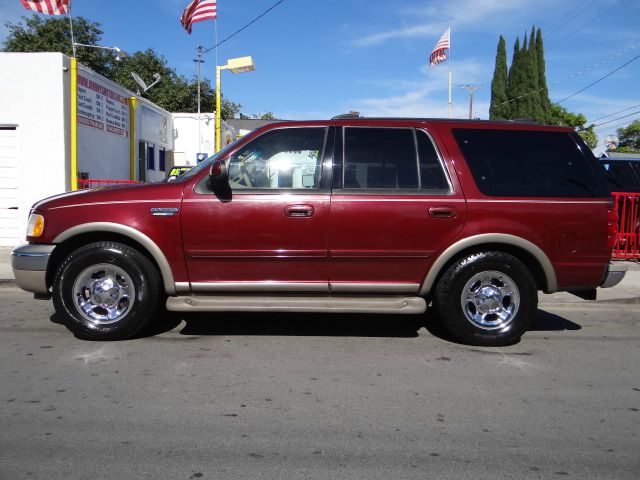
point(432, 18)
point(429, 97)
point(419, 103)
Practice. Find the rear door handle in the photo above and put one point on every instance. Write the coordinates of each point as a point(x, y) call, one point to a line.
point(298, 210)
point(443, 212)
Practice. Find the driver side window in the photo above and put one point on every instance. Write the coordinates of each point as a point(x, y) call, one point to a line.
point(289, 158)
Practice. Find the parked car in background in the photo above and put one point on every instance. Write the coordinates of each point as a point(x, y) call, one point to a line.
point(344, 215)
point(176, 171)
point(622, 171)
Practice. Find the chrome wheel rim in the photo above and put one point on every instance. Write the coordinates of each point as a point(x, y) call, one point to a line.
point(490, 300)
point(103, 293)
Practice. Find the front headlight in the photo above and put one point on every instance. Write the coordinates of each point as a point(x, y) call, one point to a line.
point(35, 227)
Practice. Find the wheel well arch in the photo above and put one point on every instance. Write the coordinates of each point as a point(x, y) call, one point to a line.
point(76, 237)
point(528, 253)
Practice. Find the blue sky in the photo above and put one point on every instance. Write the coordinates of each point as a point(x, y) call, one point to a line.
point(316, 59)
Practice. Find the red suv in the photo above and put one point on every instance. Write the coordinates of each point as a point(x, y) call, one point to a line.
point(345, 215)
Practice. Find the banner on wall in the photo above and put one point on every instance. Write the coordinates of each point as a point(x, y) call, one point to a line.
point(101, 107)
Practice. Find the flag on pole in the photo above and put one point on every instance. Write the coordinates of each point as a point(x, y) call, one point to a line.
point(438, 54)
point(198, 11)
point(49, 7)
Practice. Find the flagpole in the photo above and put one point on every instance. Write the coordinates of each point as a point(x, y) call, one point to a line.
point(73, 41)
point(450, 103)
point(199, 61)
point(215, 28)
point(218, 130)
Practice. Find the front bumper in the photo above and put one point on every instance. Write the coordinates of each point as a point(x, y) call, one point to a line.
point(615, 274)
point(29, 263)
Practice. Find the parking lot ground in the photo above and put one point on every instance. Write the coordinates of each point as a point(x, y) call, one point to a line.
point(320, 396)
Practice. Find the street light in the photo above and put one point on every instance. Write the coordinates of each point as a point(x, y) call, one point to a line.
point(120, 54)
point(236, 65)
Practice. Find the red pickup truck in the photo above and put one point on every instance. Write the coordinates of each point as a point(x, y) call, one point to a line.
point(343, 215)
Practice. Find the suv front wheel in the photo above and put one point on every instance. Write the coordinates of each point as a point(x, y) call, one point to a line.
point(487, 299)
point(106, 291)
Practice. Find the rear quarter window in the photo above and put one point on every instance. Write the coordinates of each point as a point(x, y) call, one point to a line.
point(529, 163)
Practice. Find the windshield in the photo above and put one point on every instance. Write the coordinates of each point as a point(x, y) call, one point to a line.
point(206, 163)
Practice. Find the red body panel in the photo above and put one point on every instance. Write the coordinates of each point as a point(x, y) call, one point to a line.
point(251, 238)
point(388, 239)
point(124, 205)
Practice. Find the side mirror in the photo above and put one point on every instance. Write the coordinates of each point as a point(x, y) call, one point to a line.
point(218, 175)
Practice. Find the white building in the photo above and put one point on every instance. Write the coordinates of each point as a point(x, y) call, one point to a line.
point(190, 139)
point(51, 138)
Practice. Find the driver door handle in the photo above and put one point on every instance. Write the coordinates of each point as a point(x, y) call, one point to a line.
point(298, 210)
point(443, 212)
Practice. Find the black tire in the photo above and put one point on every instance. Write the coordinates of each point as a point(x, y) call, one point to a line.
point(486, 299)
point(106, 291)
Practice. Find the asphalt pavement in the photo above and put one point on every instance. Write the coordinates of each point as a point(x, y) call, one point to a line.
point(313, 396)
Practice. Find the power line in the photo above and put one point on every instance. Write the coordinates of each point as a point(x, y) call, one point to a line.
point(600, 15)
point(616, 119)
point(599, 80)
point(243, 28)
point(555, 24)
point(614, 113)
point(612, 127)
point(561, 22)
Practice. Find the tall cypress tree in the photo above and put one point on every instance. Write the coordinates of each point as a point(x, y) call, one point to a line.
point(526, 86)
point(515, 82)
point(525, 90)
point(533, 85)
point(545, 103)
point(500, 107)
point(511, 76)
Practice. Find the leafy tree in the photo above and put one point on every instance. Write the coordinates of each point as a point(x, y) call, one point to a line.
point(526, 84)
point(562, 117)
point(516, 82)
point(169, 93)
point(228, 109)
point(532, 83)
point(264, 116)
point(174, 92)
point(54, 35)
point(499, 109)
point(629, 138)
point(543, 93)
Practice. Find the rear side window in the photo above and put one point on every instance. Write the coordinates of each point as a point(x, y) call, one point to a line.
point(528, 163)
point(380, 158)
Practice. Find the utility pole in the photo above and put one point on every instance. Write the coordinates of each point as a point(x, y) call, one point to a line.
point(198, 62)
point(471, 89)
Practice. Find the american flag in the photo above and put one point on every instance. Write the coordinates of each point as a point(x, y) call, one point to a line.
point(438, 55)
point(50, 7)
point(198, 11)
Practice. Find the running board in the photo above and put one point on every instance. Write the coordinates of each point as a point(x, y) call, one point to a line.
point(336, 304)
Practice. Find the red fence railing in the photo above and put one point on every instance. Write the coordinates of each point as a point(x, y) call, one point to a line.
point(94, 182)
point(628, 240)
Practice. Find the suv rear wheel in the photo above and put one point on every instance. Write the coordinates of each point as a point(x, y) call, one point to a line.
point(106, 291)
point(488, 299)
